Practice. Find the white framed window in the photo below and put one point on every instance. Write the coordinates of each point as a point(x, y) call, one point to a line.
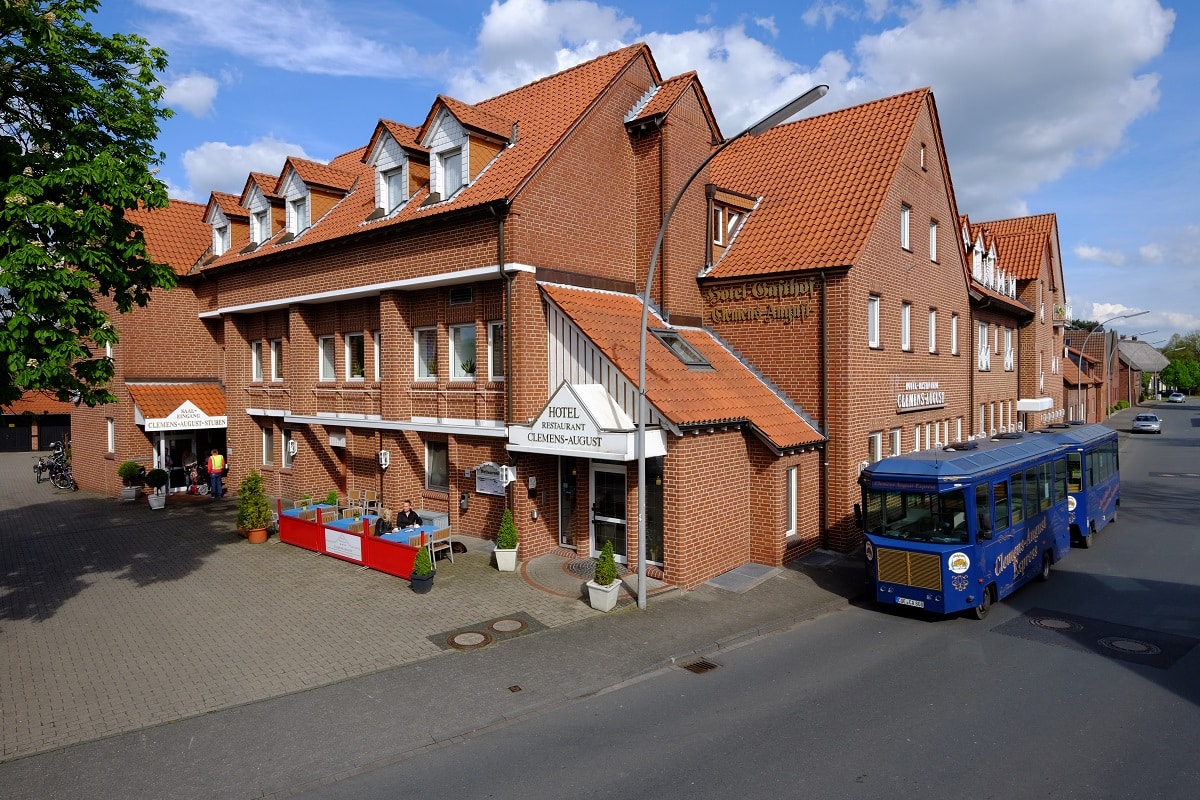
point(933, 240)
point(462, 352)
point(905, 226)
point(220, 239)
point(277, 359)
point(495, 351)
point(377, 353)
point(328, 358)
point(394, 189)
point(425, 364)
point(875, 446)
point(268, 447)
point(790, 501)
point(985, 350)
point(1010, 355)
point(894, 443)
point(356, 357)
point(256, 361)
point(906, 326)
point(437, 466)
point(297, 214)
point(110, 434)
point(260, 226)
point(982, 420)
point(958, 429)
point(873, 321)
point(917, 437)
point(922, 156)
point(108, 351)
point(452, 172)
point(718, 225)
point(289, 447)
point(954, 334)
point(933, 330)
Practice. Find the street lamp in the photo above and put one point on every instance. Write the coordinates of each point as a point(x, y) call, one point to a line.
point(784, 112)
point(1083, 352)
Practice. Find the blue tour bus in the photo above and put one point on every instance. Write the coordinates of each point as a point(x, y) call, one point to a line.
point(957, 528)
point(1093, 476)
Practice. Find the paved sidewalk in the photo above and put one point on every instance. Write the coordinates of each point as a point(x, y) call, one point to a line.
point(117, 619)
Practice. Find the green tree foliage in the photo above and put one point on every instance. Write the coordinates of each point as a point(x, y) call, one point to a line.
point(1183, 374)
point(79, 114)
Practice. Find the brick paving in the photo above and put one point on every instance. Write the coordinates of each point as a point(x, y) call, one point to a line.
point(114, 617)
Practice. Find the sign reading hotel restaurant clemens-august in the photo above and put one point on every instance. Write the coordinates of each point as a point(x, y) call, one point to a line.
point(787, 301)
point(186, 417)
point(583, 420)
point(919, 395)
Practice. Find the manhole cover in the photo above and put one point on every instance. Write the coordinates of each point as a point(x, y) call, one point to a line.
point(469, 640)
point(1133, 647)
point(1055, 624)
point(700, 665)
point(508, 625)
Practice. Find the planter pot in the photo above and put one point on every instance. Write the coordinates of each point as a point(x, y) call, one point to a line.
point(157, 500)
point(603, 598)
point(506, 560)
point(130, 493)
point(421, 584)
point(257, 535)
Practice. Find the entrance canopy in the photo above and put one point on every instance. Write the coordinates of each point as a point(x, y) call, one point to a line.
point(585, 422)
point(178, 406)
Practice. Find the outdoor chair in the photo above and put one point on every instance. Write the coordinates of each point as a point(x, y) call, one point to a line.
point(440, 540)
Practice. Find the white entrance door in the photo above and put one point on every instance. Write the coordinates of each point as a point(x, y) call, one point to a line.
point(608, 508)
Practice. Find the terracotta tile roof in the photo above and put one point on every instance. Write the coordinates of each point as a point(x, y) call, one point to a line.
point(176, 235)
point(230, 205)
point(158, 400)
point(36, 403)
point(823, 181)
point(1021, 243)
point(727, 393)
point(470, 117)
point(1013, 304)
point(1073, 376)
point(405, 136)
point(545, 111)
point(314, 173)
point(264, 182)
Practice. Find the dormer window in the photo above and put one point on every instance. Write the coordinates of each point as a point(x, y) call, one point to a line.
point(260, 226)
point(451, 170)
point(680, 347)
point(393, 186)
point(297, 214)
point(220, 239)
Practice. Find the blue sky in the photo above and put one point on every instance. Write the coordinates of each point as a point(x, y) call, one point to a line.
point(1085, 108)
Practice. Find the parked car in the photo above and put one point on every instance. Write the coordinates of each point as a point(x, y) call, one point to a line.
point(1176, 397)
point(1147, 423)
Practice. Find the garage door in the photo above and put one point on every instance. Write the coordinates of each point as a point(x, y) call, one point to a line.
point(53, 428)
point(16, 434)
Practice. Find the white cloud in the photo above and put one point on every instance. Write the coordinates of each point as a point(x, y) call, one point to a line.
point(217, 166)
point(309, 37)
point(1151, 253)
point(193, 93)
point(1088, 253)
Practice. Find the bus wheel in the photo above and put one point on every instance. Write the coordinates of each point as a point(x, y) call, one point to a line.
point(1044, 575)
point(985, 604)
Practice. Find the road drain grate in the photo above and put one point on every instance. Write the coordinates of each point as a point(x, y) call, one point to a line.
point(699, 666)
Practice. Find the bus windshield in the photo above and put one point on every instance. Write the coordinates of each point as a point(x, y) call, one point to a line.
point(918, 516)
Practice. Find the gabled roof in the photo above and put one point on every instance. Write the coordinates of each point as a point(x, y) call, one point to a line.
point(230, 205)
point(545, 110)
point(1073, 376)
point(473, 118)
point(1022, 243)
point(405, 136)
point(1141, 356)
point(823, 181)
point(729, 393)
point(176, 235)
point(314, 173)
point(36, 403)
point(264, 182)
point(158, 400)
point(665, 97)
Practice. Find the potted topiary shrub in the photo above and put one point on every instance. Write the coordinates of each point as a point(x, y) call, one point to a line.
point(157, 479)
point(132, 475)
point(422, 571)
point(331, 499)
point(254, 513)
point(602, 591)
point(506, 543)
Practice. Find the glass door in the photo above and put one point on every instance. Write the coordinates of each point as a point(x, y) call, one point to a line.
point(608, 508)
point(568, 490)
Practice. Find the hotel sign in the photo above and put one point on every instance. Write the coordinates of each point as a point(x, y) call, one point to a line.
point(782, 301)
point(920, 395)
point(186, 417)
point(583, 421)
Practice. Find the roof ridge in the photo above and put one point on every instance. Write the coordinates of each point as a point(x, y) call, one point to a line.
point(567, 71)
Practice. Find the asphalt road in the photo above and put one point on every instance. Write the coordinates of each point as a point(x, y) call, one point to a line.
point(1083, 687)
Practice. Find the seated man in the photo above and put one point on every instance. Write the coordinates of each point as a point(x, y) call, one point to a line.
point(407, 518)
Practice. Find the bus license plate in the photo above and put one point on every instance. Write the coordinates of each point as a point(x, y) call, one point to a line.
point(904, 601)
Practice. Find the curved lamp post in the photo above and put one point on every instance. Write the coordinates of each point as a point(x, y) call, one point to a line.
point(1083, 352)
point(784, 112)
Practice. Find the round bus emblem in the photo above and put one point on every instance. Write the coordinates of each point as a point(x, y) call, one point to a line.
point(1070, 502)
point(959, 563)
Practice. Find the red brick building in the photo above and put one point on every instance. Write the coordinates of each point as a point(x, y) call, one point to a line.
point(450, 314)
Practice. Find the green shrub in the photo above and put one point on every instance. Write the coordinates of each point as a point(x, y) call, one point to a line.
point(253, 508)
point(506, 537)
point(331, 499)
point(423, 564)
point(606, 566)
point(131, 473)
point(157, 479)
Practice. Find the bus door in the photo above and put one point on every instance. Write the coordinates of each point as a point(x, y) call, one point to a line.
point(1007, 512)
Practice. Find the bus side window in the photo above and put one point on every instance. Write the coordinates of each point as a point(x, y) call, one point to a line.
point(983, 510)
point(1018, 497)
point(1031, 492)
point(1075, 472)
point(1000, 495)
point(1060, 480)
point(1046, 485)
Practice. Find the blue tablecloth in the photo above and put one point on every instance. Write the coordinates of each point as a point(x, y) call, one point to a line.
point(354, 523)
point(409, 535)
point(295, 512)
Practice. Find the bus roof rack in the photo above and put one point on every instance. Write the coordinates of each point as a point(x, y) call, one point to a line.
point(1058, 425)
point(971, 445)
point(1009, 435)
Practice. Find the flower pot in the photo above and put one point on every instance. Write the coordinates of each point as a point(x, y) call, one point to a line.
point(421, 584)
point(603, 598)
point(157, 500)
point(506, 560)
point(257, 535)
point(130, 493)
